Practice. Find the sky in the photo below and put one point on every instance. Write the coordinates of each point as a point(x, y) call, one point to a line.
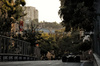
point(48, 9)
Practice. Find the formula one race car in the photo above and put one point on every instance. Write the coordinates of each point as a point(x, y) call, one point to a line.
point(71, 58)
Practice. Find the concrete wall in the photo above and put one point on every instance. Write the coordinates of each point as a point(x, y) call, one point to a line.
point(96, 60)
point(97, 36)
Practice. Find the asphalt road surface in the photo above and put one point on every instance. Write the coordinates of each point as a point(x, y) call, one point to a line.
point(45, 63)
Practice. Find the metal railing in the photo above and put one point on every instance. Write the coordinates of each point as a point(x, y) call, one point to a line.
point(14, 46)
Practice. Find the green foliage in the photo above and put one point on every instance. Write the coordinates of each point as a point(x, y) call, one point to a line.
point(77, 14)
point(10, 12)
point(84, 46)
point(67, 43)
point(47, 43)
point(22, 2)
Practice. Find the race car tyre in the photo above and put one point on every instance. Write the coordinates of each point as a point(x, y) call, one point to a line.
point(64, 59)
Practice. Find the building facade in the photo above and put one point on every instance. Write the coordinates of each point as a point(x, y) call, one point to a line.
point(31, 16)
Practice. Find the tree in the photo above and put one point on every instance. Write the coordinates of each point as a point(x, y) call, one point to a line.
point(10, 11)
point(67, 42)
point(32, 36)
point(77, 14)
point(47, 43)
point(84, 46)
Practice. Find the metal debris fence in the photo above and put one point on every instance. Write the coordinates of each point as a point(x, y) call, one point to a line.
point(14, 49)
